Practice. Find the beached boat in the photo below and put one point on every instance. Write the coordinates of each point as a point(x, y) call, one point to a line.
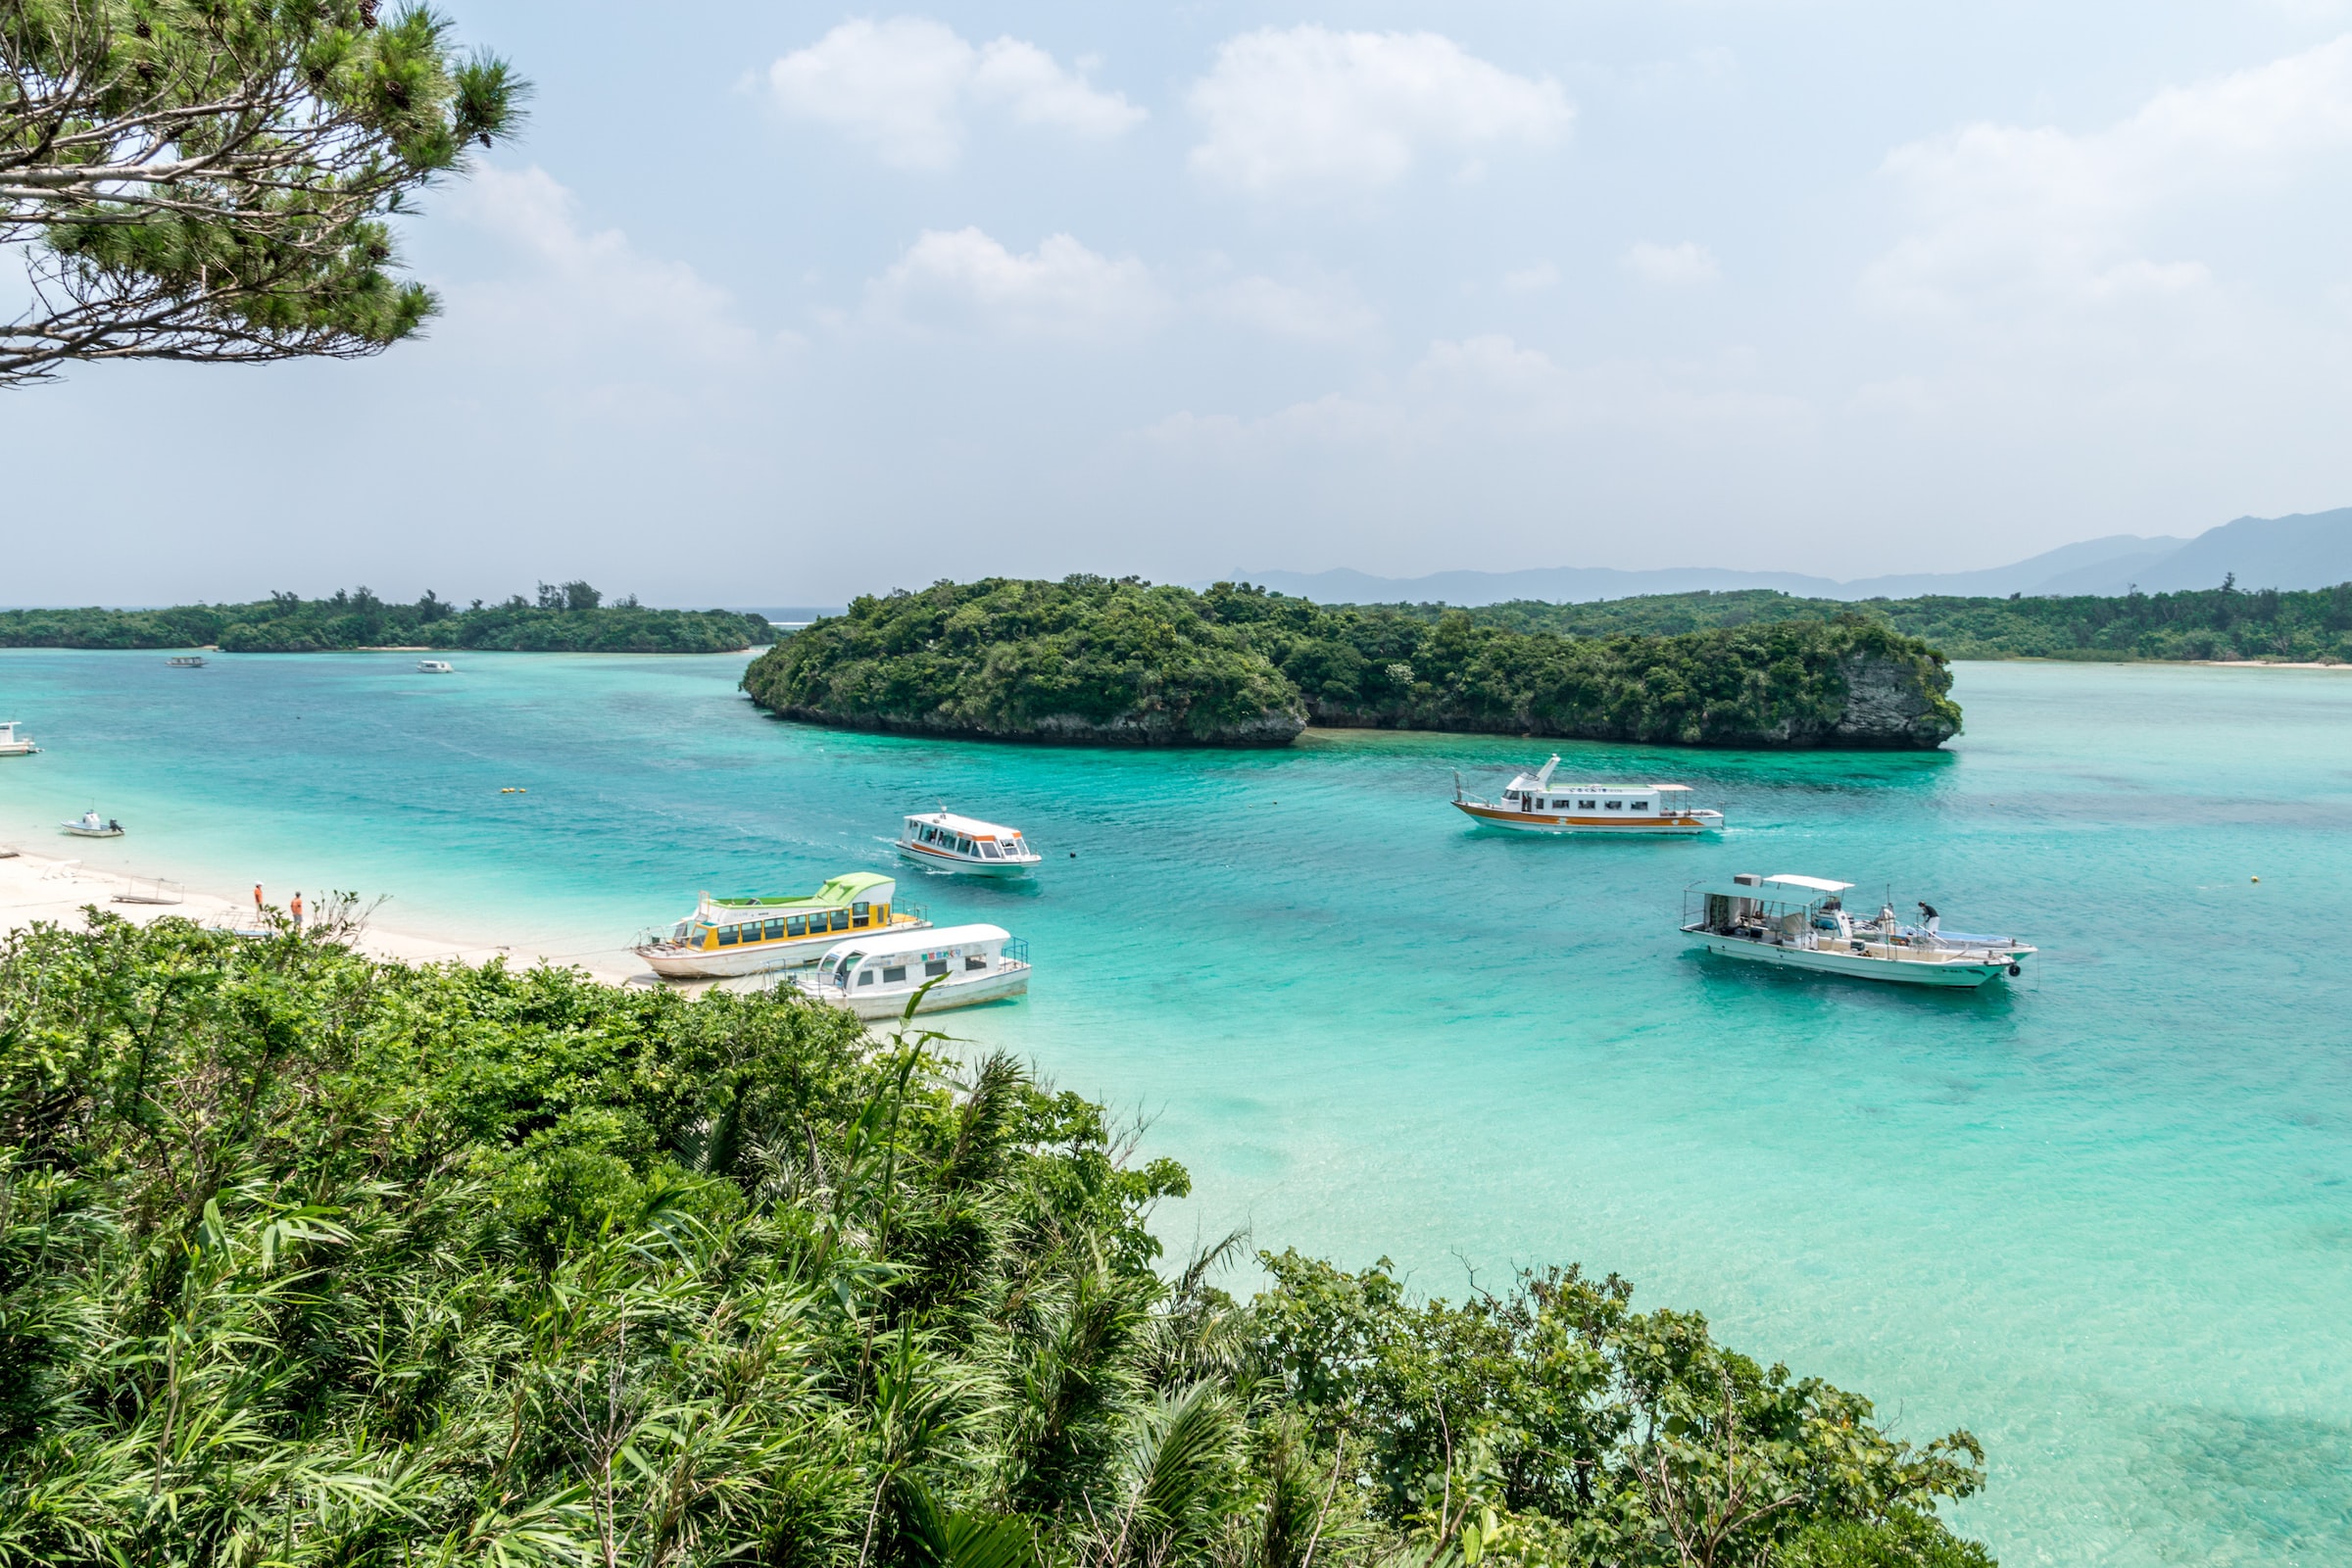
point(963, 964)
point(1533, 804)
point(946, 842)
point(90, 825)
point(185, 661)
point(1801, 923)
point(746, 936)
point(13, 744)
point(436, 666)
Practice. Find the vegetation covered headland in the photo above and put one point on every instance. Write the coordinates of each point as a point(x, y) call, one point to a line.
point(567, 617)
point(307, 1259)
point(1126, 661)
point(2228, 622)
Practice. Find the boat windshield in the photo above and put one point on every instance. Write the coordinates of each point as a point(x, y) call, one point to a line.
point(988, 848)
point(841, 970)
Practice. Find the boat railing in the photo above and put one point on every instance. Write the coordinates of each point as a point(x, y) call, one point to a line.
point(912, 912)
point(1016, 950)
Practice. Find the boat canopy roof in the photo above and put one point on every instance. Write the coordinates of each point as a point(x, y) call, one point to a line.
point(1776, 888)
point(1526, 780)
point(883, 944)
point(854, 887)
point(971, 827)
point(1818, 884)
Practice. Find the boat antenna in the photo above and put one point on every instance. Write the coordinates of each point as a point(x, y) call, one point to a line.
point(1457, 783)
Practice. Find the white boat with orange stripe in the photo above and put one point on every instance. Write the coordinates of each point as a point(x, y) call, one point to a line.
point(946, 842)
point(1534, 804)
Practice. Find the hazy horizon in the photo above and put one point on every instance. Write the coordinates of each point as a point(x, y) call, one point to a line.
point(1029, 289)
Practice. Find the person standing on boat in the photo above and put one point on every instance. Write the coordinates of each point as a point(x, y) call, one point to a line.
point(1928, 912)
point(295, 908)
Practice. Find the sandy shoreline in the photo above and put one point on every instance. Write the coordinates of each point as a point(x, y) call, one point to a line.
point(57, 888)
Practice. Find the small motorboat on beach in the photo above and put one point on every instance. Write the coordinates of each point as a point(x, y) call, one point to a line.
point(90, 825)
point(963, 965)
point(743, 936)
point(13, 744)
point(1801, 923)
point(1533, 804)
point(946, 842)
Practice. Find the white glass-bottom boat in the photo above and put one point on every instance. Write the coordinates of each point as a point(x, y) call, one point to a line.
point(746, 936)
point(13, 744)
point(1534, 804)
point(90, 825)
point(1801, 923)
point(946, 842)
point(963, 964)
point(436, 666)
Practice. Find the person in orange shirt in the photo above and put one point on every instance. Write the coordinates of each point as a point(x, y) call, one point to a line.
point(257, 898)
point(295, 908)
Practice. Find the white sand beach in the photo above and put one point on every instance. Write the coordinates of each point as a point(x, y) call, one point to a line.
point(58, 888)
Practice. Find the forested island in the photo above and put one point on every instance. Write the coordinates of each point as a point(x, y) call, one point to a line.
point(1126, 661)
point(2226, 622)
point(310, 1258)
point(567, 617)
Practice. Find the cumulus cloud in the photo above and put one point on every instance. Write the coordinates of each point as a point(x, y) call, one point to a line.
point(965, 280)
point(1325, 312)
point(1307, 106)
point(2036, 217)
point(904, 86)
point(1671, 266)
point(589, 286)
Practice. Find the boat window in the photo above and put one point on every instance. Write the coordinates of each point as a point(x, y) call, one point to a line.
point(849, 960)
point(895, 973)
point(679, 935)
point(936, 967)
point(1615, 806)
point(797, 926)
point(1585, 805)
point(1639, 806)
point(976, 962)
point(727, 934)
point(991, 851)
point(861, 913)
point(963, 846)
point(841, 920)
point(776, 929)
point(865, 977)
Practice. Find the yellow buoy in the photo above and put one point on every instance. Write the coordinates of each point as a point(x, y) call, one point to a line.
point(2258, 879)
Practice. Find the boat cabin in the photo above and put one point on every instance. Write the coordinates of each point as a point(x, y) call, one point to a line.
point(858, 901)
point(945, 838)
point(1536, 792)
point(903, 963)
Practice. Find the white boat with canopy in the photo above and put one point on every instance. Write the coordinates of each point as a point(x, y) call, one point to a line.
point(946, 842)
point(1533, 804)
point(1801, 923)
point(13, 744)
point(90, 825)
point(745, 936)
point(965, 965)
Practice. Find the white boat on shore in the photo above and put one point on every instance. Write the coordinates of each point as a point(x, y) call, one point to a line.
point(946, 842)
point(1801, 923)
point(746, 936)
point(13, 744)
point(963, 965)
point(1533, 804)
point(90, 825)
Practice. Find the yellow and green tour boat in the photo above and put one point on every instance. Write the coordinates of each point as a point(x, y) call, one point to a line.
point(743, 936)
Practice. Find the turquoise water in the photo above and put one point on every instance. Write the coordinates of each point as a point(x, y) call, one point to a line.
point(2102, 1216)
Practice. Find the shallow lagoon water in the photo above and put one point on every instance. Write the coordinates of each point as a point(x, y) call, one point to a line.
point(2102, 1216)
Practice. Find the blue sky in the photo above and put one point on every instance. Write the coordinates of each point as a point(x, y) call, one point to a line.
point(779, 304)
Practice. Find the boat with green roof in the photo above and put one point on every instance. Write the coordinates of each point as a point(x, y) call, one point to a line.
point(727, 937)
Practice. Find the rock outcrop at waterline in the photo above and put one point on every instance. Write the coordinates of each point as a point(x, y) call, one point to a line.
point(1097, 662)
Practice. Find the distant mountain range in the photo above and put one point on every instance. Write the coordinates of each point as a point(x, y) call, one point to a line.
point(2308, 550)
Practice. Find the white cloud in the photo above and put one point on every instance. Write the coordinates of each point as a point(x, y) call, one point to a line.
point(965, 280)
point(1671, 266)
point(1308, 107)
point(1530, 279)
point(2019, 216)
point(901, 87)
point(1326, 312)
point(589, 286)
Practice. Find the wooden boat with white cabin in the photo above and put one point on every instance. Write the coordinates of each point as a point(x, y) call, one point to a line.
point(963, 965)
point(1801, 923)
point(1533, 804)
point(727, 937)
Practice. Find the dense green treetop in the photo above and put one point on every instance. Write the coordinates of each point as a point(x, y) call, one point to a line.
point(1086, 658)
point(567, 617)
point(310, 1260)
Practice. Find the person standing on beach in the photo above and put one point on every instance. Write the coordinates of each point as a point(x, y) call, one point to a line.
point(295, 908)
point(257, 899)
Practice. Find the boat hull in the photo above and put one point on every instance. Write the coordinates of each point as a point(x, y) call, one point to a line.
point(922, 854)
point(1684, 825)
point(1012, 980)
point(95, 832)
point(1964, 974)
point(724, 963)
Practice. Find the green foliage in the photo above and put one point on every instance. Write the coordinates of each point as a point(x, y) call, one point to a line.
point(566, 619)
point(1089, 659)
point(310, 1260)
point(212, 180)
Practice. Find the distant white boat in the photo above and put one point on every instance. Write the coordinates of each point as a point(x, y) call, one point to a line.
point(13, 744)
point(436, 666)
point(90, 825)
point(963, 965)
point(1534, 804)
point(947, 842)
point(185, 661)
